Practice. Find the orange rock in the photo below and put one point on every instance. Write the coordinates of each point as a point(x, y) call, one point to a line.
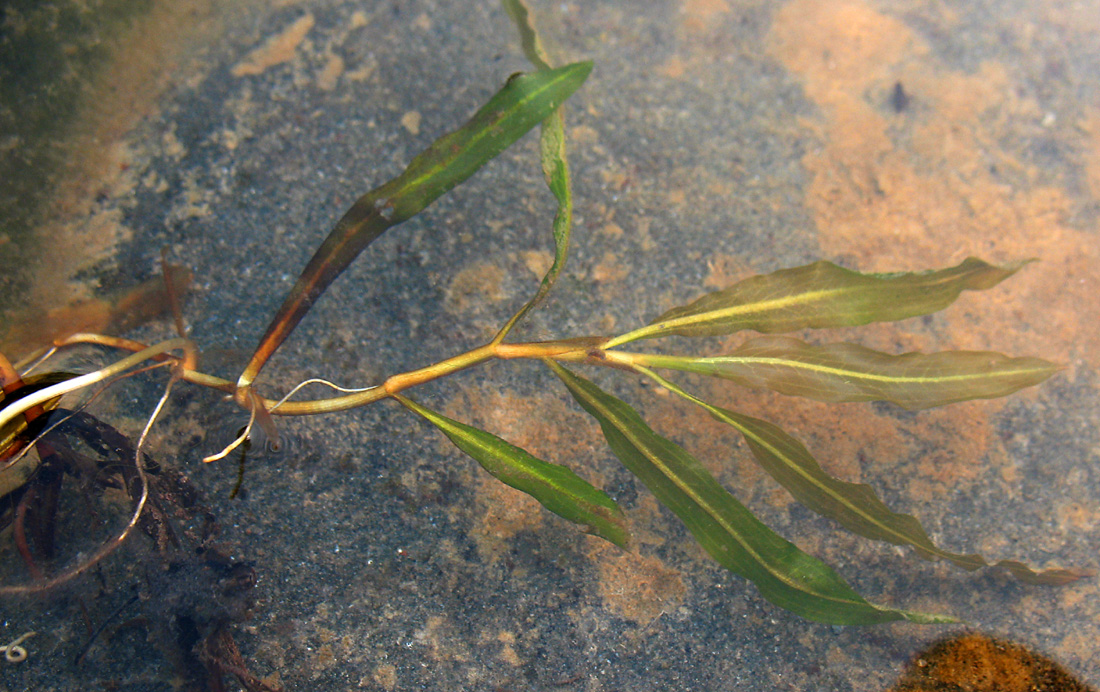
point(974, 662)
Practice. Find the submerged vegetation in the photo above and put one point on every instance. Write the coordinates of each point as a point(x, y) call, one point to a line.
point(43, 437)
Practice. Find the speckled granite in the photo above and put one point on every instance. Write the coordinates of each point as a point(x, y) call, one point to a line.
point(714, 139)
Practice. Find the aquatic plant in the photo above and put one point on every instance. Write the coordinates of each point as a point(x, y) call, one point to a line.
point(815, 296)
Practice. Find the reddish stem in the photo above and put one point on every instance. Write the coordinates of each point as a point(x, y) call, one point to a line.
point(20, 533)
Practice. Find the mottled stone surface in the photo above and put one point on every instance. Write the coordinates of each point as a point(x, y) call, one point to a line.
point(714, 139)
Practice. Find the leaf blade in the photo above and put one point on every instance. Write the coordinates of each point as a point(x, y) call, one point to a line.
point(723, 526)
point(529, 38)
point(821, 295)
point(524, 101)
point(855, 506)
point(555, 167)
point(844, 372)
point(556, 487)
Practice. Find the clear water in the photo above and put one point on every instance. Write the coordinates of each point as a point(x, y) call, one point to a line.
point(714, 139)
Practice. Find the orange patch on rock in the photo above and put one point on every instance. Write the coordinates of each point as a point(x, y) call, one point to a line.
point(724, 270)
point(1092, 157)
point(276, 50)
point(115, 313)
point(838, 47)
point(673, 68)
point(505, 512)
point(699, 15)
point(963, 457)
point(610, 269)
point(1073, 515)
point(633, 586)
point(476, 284)
point(330, 73)
point(438, 636)
point(920, 188)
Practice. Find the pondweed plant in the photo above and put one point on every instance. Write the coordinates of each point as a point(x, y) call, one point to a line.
point(819, 295)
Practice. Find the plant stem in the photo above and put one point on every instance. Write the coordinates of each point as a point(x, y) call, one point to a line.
point(569, 350)
point(639, 333)
point(578, 350)
point(71, 385)
point(9, 378)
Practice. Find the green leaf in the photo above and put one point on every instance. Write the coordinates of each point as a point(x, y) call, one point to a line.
point(841, 372)
point(556, 487)
point(555, 166)
point(524, 101)
point(529, 38)
point(724, 527)
point(821, 295)
point(854, 505)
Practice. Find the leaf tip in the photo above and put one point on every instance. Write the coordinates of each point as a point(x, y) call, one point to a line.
point(618, 535)
point(584, 66)
point(1058, 576)
point(930, 618)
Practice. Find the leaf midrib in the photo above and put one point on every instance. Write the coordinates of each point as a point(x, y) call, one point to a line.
point(804, 473)
point(795, 300)
point(486, 131)
point(749, 308)
point(856, 374)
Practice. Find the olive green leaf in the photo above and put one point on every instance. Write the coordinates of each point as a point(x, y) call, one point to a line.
point(848, 372)
point(555, 166)
point(528, 37)
point(854, 505)
point(523, 102)
point(821, 295)
point(556, 487)
point(724, 527)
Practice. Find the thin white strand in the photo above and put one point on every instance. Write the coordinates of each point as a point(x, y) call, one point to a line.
point(318, 380)
point(237, 442)
point(35, 362)
point(80, 407)
point(71, 385)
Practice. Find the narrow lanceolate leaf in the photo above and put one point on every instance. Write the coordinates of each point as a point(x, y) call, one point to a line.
point(821, 295)
point(529, 38)
point(555, 165)
point(854, 505)
point(556, 487)
point(848, 372)
point(724, 527)
point(523, 102)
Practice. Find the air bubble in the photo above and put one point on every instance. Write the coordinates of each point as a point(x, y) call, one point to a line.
point(384, 208)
